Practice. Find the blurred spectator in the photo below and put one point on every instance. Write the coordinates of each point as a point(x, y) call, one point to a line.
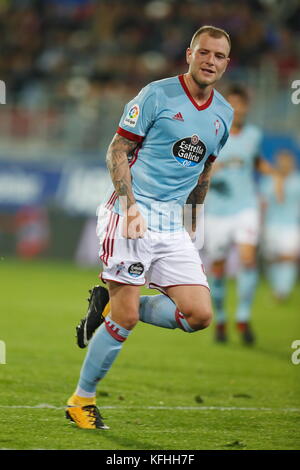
point(88, 57)
point(55, 39)
point(32, 232)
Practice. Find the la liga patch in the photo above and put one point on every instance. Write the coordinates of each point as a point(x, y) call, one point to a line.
point(132, 116)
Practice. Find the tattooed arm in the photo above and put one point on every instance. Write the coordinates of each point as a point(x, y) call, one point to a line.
point(117, 163)
point(198, 194)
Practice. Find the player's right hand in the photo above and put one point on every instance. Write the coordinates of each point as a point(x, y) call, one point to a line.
point(134, 224)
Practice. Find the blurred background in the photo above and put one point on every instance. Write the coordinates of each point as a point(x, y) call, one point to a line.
point(69, 67)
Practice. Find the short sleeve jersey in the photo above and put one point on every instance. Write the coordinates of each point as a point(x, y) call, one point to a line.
point(286, 213)
point(233, 187)
point(175, 138)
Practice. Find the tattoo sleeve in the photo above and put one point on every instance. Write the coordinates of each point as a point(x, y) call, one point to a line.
point(117, 163)
point(199, 192)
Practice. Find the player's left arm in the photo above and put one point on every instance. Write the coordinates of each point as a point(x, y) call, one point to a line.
point(197, 195)
point(264, 167)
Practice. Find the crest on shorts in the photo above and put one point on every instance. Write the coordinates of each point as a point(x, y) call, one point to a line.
point(120, 267)
point(136, 269)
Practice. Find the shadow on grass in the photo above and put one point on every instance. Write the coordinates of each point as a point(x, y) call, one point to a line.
point(130, 443)
point(98, 438)
point(260, 349)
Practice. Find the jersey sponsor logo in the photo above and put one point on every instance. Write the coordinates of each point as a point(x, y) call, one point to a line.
point(136, 269)
point(217, 126)
point(132, 116)
point(189, 151)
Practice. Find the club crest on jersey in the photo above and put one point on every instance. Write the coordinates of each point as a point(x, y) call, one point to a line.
point(132, 116)
point(189, 151)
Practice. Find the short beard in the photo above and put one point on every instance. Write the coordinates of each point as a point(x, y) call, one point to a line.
point(200, 84)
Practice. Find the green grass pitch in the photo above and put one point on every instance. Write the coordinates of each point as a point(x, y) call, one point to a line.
point(167, 390)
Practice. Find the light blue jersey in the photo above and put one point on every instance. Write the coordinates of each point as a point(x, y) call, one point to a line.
point(232, 187)
point(286, 213)
point(176, 137)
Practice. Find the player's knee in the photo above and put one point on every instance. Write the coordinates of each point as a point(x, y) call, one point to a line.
point(204, 318)
point(131, 320)
point(127, 319)
point(199, 318)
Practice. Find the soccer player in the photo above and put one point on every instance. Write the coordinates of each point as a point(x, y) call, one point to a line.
point(162, 153)
point(281, 232)
point(232, 214)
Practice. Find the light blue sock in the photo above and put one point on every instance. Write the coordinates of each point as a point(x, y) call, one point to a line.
point(246, 281)
point(274, 276)
point(159, 310)
point(103, 350)
point(217, 285)
point(283, 276)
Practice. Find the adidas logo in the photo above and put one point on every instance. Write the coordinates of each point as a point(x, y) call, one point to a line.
point(178, 117)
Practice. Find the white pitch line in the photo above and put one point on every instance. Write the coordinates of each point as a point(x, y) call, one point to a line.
point(179, 408)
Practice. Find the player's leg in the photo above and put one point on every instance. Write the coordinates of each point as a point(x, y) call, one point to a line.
point(283, 276)
point(177, 266)
point(246, 286)
point(108, 340)
point(166, 310)
point(218, 292)
point(160, 310)
point(246, 236)
point(157, 310)
point(124, 273)
point(281, 249)
point(218, 238)
point(104, 347)
point(193, 305)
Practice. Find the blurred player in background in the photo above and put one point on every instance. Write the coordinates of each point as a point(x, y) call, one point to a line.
point(162, 154)
point(232, 214)
point(281, 232)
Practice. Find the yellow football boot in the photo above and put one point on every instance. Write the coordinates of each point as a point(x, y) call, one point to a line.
point(84, 412)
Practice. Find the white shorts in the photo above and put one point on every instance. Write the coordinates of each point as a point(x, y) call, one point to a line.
point(159, 260)
point(280, 241)
point(222, 232)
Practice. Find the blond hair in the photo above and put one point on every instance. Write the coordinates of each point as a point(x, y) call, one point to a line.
point(212, 31)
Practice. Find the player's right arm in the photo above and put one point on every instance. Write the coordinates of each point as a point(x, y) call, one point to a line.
point(134, 225)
